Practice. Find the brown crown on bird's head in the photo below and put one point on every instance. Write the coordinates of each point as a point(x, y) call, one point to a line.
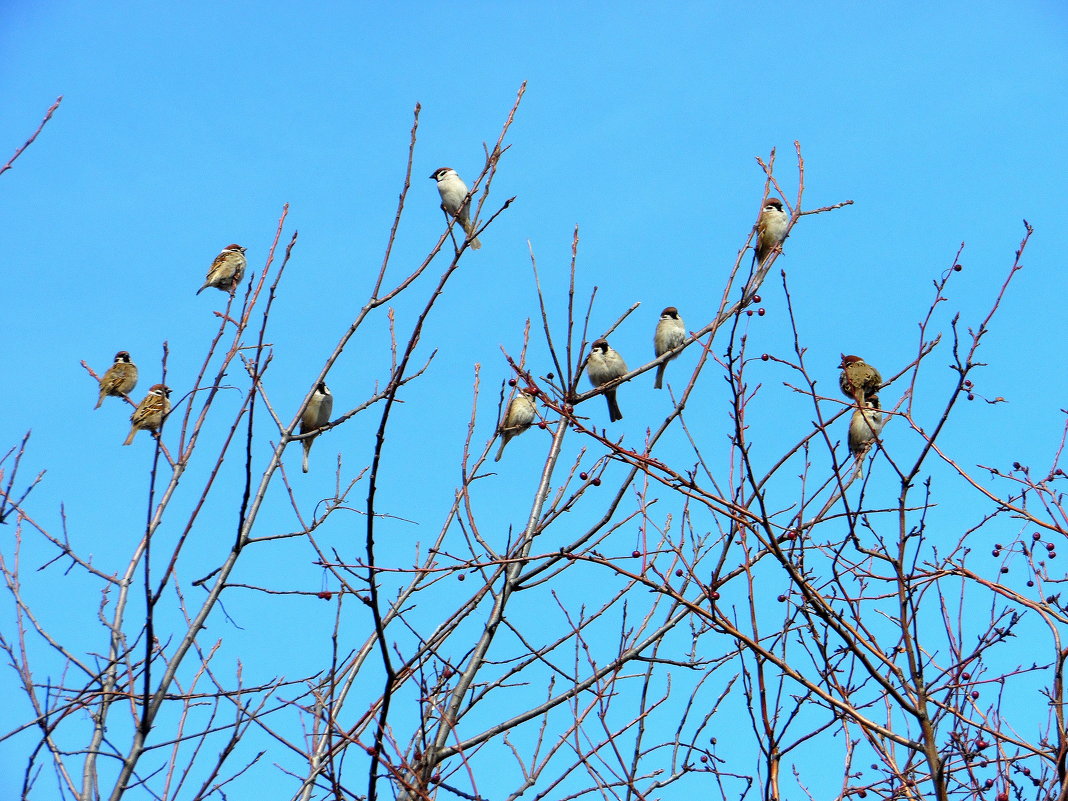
point(438, 172)
point(122, 356)
point(600, 344)
point(234, 247)
point(774, 201)
point(670, 311)
point(848, 360)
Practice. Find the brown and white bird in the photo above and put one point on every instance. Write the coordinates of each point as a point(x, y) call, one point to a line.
point(771, 228)
point(858, 379)
point(316, 415)
point(454, 199)
point(119, 379)
point(670, 333)
point(864, 426)
point(518, 418)
point(151, 412)
point(603, 365)
point(227, 270)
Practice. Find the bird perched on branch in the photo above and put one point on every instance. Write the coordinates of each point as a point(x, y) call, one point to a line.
point(454, 200)
point(119, 379)
point(150, 412)
point(858, 379)
point(227, 270)
point(316, 415)
point(670, 333)
point(864, 426)
point(518, 418)
point(603, 365)
point(771, 228)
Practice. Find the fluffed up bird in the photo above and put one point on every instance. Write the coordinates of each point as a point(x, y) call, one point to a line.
point(603, 365)
point(865, 425)
point(316, 415)
point(454, 199)
point(150, 412)
point(858, 379)
point(119, 379)
point(771, 228)
point(670, 333)
point(227, 270)
point(518, 418)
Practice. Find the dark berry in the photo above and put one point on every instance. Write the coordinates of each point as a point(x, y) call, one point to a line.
point(595, 481)
point(584, 476)
point(764, 357)
point(635, 553)
point(761, 312)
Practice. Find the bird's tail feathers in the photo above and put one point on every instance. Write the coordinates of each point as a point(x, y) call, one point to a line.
point(613, 407)
point(660, 376)
point(469, 227)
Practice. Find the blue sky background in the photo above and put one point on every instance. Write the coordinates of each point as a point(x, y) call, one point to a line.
point(186, 127)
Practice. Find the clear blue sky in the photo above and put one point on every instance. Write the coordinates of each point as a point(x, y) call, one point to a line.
point(187, 126)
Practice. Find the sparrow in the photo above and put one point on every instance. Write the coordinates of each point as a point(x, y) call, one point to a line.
point(603, 365)
point(316, 415)
point(670, 333)
point(227, 270)
point(119, 379)
point(150, 412)
point(771, 228)
point(858, 378)
point(864, 427)
point(518, 418)
point(865, 424)
point(454, 199)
